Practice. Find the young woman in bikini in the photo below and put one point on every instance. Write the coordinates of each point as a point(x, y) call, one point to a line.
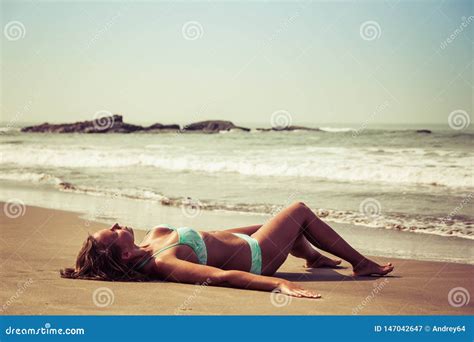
point(244, 257)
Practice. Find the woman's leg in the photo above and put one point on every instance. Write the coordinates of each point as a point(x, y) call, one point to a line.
point(301, 249)
point(277, 237)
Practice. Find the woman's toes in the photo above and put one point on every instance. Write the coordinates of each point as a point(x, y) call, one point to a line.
point(387, 269)
point(369, 268)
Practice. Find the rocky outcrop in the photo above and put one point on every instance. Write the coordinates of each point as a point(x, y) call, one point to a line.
point(106, 124)
point(162, 128)
point(288, 128)
point(212, 126)
point(115, 124)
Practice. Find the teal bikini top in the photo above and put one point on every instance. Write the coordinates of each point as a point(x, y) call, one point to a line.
point(186, 236)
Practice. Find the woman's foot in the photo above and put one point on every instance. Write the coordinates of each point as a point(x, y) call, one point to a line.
point(370, 268)
point(323, 261)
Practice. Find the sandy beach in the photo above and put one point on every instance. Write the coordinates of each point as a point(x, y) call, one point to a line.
point(34, 246)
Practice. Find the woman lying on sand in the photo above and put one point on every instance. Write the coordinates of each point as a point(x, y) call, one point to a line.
point(242, 257)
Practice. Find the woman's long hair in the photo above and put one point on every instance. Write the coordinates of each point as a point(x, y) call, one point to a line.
point(96, 261)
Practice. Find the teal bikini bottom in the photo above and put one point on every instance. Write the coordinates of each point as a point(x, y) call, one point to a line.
point(190, 237)
point(256, 267)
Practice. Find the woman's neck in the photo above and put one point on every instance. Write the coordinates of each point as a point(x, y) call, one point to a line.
point(139, 254)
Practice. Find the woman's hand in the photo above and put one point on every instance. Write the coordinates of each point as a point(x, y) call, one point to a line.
point(291, 289)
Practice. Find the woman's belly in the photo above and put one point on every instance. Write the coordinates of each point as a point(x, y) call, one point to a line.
point(227, 251)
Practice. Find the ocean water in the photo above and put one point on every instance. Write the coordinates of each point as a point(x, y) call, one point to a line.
point(393, 179)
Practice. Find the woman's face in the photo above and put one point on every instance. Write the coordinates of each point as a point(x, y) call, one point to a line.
point(118, 235)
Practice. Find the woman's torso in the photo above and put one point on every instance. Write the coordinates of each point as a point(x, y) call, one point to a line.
point(224, 249)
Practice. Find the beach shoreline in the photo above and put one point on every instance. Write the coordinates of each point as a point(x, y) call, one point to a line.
point(143, 214)
point(408, 183)
point(40, 241)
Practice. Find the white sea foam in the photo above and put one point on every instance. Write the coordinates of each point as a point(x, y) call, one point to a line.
point(30, 177)
point(8, 129)
point(394, 166)
point(419, 224)
point(337, 130)
point(444, 226)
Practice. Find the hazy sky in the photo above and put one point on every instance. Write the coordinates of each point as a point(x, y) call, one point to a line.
point(322, 62)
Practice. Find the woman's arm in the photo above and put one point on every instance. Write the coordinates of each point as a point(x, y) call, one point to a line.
point(245, 230)
point(181, 271)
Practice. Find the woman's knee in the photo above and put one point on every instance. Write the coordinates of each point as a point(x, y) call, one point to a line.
point(299, 205)
point(298, 208)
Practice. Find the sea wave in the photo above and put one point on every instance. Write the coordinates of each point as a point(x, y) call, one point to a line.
point(406, 166)
point(454, 225)
point(4, 129)
point(31, 177)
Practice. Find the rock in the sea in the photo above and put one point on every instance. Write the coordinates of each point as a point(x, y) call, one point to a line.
point(423, 131)
point(288, 128)
point(67, 186)
point(106, 124)
point(212, 126)
point(158, 127)
point(115, 124)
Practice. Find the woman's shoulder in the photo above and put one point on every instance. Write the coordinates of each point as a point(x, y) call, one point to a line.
point(156, 231)
point(163, 225)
